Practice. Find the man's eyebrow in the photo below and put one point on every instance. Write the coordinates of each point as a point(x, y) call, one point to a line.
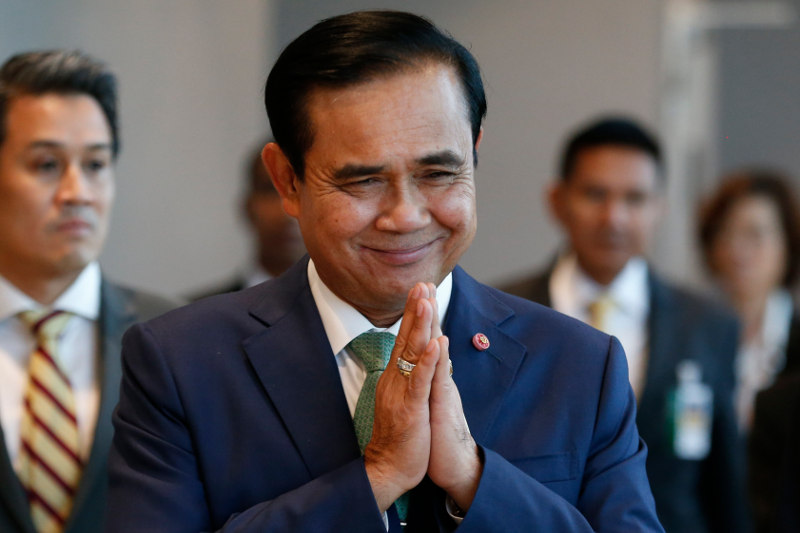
point(447, 158)
point(54, 144)
point(350, 171)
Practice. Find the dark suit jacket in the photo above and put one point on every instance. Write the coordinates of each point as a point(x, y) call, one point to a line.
point(119, 309)
point(232, 417)
point(774, 448)
point(691, 496)
point(232, 285)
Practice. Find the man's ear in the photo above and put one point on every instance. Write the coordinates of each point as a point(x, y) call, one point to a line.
point(479, 139)
point(283, 177)
point(556, 201)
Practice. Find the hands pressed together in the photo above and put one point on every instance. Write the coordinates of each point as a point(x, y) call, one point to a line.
point(419, 425)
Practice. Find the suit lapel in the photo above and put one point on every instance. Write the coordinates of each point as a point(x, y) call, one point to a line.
point(661, 353)
point(294, 363)
point(482, 373)
point(116, 315)
point(12, 495)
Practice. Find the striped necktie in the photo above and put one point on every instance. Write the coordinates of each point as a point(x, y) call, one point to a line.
point(599, 311)
point(50, 465)
point(373, 348)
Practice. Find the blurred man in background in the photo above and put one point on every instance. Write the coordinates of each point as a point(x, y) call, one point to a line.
point(680, 349)
point(61, 320)
point(277, 243)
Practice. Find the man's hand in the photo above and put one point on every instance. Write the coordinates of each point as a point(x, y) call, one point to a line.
point(397, 456)
point(455, 465)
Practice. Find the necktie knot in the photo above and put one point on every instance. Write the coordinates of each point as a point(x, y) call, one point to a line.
point(46, 326)
point(599, 310)
point(373, 348)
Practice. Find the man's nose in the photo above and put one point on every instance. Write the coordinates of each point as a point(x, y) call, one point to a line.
point(74, 186)
point(404, 209)
point(615, 213)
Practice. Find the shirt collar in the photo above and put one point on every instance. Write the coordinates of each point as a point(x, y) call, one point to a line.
point(629, 289)
point(343, 323)
point(81, 298)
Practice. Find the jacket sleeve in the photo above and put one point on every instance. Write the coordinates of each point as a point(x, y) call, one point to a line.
point(156, 484)
point(614, 494)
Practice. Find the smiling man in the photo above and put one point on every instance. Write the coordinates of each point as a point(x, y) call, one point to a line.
point(61, 321)
point(375, 383)
point(608, 199)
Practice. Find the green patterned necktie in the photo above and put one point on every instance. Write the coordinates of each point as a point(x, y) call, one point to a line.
point(373, 348)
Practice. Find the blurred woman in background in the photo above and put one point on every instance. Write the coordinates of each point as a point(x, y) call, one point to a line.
point(750, 235)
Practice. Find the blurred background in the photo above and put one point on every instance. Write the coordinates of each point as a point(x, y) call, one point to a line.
point(718, 80)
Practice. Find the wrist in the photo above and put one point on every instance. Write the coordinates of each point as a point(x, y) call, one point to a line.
point(463, 492)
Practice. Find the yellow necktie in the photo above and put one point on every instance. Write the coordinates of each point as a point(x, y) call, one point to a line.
point(599, 311)
point(49, 453)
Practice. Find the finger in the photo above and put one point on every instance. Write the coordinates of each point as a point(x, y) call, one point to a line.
point(409, 317)
point(421, 378)
point(442, 372)
point(420, 334)
point(436, 330)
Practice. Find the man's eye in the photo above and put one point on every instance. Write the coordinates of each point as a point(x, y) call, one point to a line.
point(96, 165)
point(594, 194)
point(46, 166)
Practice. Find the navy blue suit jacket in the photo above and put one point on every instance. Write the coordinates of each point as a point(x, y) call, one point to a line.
point(232, 417)
point(692, 496)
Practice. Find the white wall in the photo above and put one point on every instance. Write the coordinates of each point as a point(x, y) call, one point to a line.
point(191, 76)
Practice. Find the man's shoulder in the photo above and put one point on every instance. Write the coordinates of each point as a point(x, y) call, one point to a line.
point(141, 303)
point(232, 284)
point(688, 303)
point(533, 286)
point(530, 322)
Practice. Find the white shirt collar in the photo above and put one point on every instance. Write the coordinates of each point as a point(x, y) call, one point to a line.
point(81, 298)
point(774, 332)
point(571, 286)
point(343, 323)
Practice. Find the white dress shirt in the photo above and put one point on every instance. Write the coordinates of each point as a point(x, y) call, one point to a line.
point(760, 360)
point(343, 323)
point(572, 291)
point(77, 354)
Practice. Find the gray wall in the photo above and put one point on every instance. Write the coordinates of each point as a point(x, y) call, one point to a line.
point(192, 73)
point(759, 106)
point(547, 66)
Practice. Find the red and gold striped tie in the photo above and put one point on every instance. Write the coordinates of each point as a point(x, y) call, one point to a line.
point(50, 464)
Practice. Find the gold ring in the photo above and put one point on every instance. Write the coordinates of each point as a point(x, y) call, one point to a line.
point(405, 367)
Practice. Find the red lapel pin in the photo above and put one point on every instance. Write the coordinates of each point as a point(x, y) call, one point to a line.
point(480, 341)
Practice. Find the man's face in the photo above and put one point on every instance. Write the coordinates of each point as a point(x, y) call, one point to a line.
point(388, 197)
point(278, 237)
point(56, 186)
point(608, 207)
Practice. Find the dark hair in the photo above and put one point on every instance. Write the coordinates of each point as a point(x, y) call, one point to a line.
point(351, 49)
point(609, 131)
point(60, 72)
point(747, 183)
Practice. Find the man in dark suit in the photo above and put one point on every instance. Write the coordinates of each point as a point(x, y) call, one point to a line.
point(58, 143)
point(269, 409)
point(680, 348)
point(277, 243)
point(774, 458)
